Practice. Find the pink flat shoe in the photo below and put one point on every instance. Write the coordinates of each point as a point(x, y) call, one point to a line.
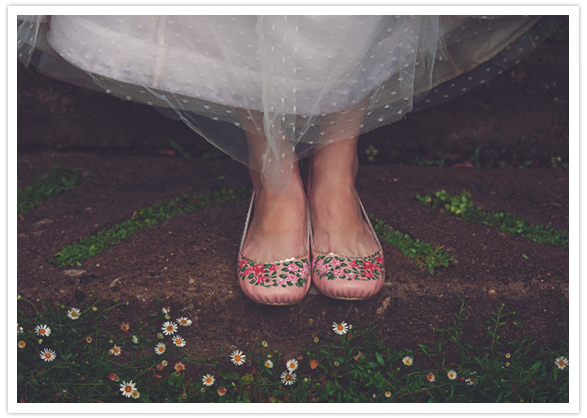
point(346, 277)
point(283, 282)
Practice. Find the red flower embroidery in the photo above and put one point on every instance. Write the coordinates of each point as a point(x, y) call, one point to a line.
point(367, 265)
point(379, 260)
point(258, 269)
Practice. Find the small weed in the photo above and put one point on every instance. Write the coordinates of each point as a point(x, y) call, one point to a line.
point(560, 33)
point(212, 155)
point(526, 164)
point(179, 149)
point(58, 180)
point(423, 254)
point(557, 162)
point(143, 218)
point(476, 158)
point(371, 153)
point(427, 163)
point(95, 354)
point(462, 205)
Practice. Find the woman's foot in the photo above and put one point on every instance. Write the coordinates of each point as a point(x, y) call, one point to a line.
point(274, 263)
point(338, 224)
point(347, 262)
point(278, 229)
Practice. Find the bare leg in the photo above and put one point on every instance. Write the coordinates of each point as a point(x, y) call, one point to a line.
point(278, 228)
point(337, 221)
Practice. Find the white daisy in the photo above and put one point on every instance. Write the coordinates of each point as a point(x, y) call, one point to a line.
point(452, 375)
point(127, 388)
point(292, 365)
point(288, 378)
point(48, 355)
point(169, 328)
point(166, 309)
point(183, 321)
point(269, 364)
point(237, 357)
point(116, 350)
point(178, 341)
point(134, 339)
point(208, 380)
point(73, 313)
point(160, 348)
point(561, 362)
point(43, 330)
point(341, 328)
point(471, 381)
point(408, 361)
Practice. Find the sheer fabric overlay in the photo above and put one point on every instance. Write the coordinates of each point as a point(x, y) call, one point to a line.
point(269, 90)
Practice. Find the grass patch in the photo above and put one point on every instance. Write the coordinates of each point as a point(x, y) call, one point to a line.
point(424, 255)
point(45, 187)
point(87, 247)
point(462, 205)
point(354, 367)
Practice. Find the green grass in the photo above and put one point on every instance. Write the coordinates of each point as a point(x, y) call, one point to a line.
point(87, 247)
point(424, 255)
point(355, 367)
point(45, 187)
point(462, 205)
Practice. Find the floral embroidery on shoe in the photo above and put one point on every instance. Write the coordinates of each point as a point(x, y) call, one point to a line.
point(289, 273)
point(332, 267)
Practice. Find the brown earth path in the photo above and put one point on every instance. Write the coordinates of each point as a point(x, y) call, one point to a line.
point(190, 260)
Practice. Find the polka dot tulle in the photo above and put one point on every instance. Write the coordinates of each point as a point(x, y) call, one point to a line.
point(301, 81)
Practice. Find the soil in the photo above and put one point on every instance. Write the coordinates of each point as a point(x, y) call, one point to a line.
point(190, 260)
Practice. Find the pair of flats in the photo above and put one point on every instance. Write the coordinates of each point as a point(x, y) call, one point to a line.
point(286, 282)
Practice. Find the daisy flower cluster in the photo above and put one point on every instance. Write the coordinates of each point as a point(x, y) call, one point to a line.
point(170, 328)
point(42, 331)
point(288, 377)
point(129, 390)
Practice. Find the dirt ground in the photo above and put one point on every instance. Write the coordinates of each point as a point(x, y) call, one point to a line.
point(191, 259)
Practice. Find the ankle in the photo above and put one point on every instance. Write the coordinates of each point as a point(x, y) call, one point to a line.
point(332, 194)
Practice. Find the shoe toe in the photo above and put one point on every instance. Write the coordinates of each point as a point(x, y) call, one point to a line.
point(346, 278)
point(275, 295)
point(348, 289)
point(275, 283)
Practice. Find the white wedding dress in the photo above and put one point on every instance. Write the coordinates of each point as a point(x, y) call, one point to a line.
point(302, 81)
